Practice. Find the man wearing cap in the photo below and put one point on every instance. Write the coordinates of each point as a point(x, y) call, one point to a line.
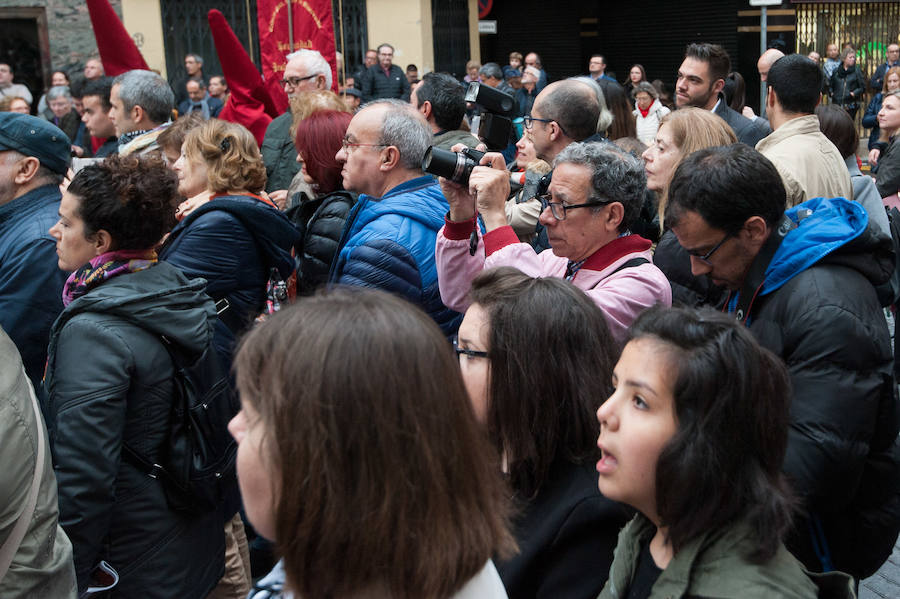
point(352, 97)
point(34, 157)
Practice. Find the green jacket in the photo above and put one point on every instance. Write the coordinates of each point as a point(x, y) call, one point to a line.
point(279, 153)
point(713, 565)
point(42, 566)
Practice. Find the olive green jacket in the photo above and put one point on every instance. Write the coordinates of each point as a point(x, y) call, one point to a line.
point(279, 153)
point(713, 565)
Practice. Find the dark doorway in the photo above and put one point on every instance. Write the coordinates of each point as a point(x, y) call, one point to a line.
point(186, 30)
point(450, 24)
point(353, 37)
point(25, 47)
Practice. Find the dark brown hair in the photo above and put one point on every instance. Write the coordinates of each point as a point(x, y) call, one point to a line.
point(838, 127)
point(551, 356)
point(384, 475)
point(172, 137)
point(132, 198)
point(732, 398)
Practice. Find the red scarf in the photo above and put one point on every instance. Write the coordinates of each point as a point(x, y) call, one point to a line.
point(644, 113)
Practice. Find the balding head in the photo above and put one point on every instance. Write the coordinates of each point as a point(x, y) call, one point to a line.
point(766, 61)
point(569, 111)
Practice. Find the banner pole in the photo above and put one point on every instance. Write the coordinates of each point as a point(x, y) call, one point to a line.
point(290, 26)
point(343, 52)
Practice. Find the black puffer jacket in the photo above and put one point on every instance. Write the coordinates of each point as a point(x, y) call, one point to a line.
point(320, 222)
point(819, 312)
point(109, 381)
point(844, 81)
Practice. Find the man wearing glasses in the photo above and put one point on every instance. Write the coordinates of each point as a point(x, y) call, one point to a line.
point(803, 281)
point(305, 71)
point(596, 192)
point(388, 240)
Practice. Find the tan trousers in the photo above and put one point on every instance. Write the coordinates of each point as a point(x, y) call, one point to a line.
point(235, 584)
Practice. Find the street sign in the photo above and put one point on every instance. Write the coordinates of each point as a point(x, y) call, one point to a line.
point(487, 26)
point(765, 2)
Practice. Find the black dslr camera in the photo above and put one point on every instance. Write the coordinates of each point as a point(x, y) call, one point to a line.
point(496, 116)
point(451, 165)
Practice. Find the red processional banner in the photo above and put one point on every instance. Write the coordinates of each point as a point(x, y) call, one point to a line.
point(313, 29)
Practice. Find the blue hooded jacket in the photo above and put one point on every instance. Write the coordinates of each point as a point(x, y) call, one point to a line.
point(388, 244)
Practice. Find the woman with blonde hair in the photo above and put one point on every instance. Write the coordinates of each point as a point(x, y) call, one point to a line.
point(235, 239)
point(681, 133)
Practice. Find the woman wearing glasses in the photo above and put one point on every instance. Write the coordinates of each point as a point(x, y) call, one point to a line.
point(681, 133)
point(596, 193)
point(536, 356)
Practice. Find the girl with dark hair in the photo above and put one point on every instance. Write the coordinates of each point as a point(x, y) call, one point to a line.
point(635, 75)
point(536, 356)
point(360, 455)
point(623, 124)
point(110, 382)
point(320, 219)
point(694, 437)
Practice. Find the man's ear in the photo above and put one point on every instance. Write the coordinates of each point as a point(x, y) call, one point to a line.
point(615, 212)
point(389, 158)
point(718, 86)
point(26, 169)
point(771, 98)
point(426, 109)
point(137, 114)
point(756, 230)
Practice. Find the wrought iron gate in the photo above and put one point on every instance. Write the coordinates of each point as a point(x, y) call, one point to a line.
point(450, 27)
point(353, 38)
point(186, 30)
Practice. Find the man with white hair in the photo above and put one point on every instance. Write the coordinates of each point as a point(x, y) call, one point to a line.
point(390, 235)
point(305, 71)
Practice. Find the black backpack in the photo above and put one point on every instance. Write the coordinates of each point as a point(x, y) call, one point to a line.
point(198, 472)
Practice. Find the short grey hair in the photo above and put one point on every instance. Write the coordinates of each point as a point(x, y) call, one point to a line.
point(406, 129)
point(313, 63)
point(606, 117)
point(491, 69)
point(59, 91)
point(196, 57)
point(647, 88)
point(616, 175)
point(147, 90)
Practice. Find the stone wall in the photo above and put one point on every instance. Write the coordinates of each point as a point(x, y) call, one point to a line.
point(69, 30)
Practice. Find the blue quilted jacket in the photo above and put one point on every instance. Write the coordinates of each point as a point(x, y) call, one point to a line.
point(388, 244)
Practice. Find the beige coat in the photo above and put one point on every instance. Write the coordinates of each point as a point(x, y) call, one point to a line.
point(809, 164)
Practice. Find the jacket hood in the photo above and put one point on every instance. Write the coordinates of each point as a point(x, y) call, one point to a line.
point(836, 231)
point(159, 299)
point(271, 230)
point(420, 206)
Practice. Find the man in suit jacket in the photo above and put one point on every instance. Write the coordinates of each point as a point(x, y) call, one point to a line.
point(701, 78)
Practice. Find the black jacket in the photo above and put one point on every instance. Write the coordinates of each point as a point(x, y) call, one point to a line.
point(109, 381)
point(377, 85)
point(233, 242)
point(747, 131)
point(844, 81)
point(320, 222)
point(819, 312)
point(566, 536)
point(888, 178)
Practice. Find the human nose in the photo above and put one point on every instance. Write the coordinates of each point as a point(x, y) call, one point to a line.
point(341, 155)
point(699, 267)
point(54, 231)
point(546, 217)
point(606, 414)
point(647, 156)
point(237, 426)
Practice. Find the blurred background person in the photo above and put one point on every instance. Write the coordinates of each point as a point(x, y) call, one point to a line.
point(888, 175)
point(623, 123)
point(870, 118)
point(14, 104)
point(61, 112)
point(636, 74)
point(371, 486)
point(218, 88)
point(57, 78)
point(565, 529)
point(848, 83)
point(648, 112)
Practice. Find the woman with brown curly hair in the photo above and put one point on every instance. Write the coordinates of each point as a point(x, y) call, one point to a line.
point(110, 382)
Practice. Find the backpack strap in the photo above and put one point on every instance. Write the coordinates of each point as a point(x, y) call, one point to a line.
point(14, 540)
point(630, 264)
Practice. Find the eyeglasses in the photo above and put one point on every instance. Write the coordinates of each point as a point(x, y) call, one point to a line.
point(470, 353)
point(705, 258)
point(559, 210)
point(295, 81)
point(346, 144)
point(529, 121)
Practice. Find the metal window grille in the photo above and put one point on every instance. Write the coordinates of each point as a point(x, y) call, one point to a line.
point(869, 26)
point(355, 31)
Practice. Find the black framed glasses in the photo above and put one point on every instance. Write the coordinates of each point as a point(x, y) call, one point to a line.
point(705, 257)
point(529, 121)
point(559, 210)
point(295, 81)
point(469, 353)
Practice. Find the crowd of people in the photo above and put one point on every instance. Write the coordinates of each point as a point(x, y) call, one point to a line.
point(637, 348)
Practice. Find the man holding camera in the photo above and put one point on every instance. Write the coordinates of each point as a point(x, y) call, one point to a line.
point(596, 193)
point(388, 241)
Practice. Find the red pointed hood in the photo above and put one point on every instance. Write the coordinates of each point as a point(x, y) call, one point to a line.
point(249, 103)
point(118, 52)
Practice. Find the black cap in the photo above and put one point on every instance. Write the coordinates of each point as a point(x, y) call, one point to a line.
point(36, 137)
